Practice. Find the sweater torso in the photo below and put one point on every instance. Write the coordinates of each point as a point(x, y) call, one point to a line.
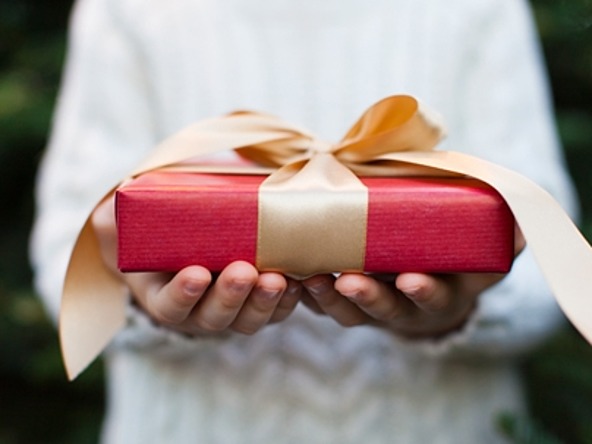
point(320, 64)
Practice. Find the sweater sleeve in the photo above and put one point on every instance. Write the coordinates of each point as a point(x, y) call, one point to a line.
point(507, 118)
point(102, 126)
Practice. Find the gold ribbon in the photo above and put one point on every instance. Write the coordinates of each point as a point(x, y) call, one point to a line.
point(391, 134)
point(312, 220)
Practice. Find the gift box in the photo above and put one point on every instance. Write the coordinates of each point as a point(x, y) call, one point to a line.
point(314, 202)
point(169, 220)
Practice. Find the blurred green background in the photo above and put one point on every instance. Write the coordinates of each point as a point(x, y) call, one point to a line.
point(37, 405)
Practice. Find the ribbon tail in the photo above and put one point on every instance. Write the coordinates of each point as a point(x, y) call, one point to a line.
point(93, 305)
point(562, 253)
point(94, 299)
point(217, 135)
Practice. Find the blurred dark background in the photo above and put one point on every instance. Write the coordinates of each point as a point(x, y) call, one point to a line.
point(37, 405)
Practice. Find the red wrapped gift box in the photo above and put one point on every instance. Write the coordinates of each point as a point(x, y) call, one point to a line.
point(167, 221)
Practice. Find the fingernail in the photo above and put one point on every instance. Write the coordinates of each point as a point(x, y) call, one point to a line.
point(192, 289)
point(410, 288)
point(270, 294)
point(353, 296)
point(411, 292)
point(239, 285)
point(318, 288)
point(293, 288)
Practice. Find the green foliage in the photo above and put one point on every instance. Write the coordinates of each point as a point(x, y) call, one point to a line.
point(559, 376)
point(523, 430)
point(37, 401)
point(566, 31)
point(558, 379)
point(38, 405)
point(31, 54)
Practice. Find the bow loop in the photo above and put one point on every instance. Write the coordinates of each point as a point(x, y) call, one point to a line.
point(394, 124)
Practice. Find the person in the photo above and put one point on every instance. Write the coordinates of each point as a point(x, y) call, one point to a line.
point(249, 357)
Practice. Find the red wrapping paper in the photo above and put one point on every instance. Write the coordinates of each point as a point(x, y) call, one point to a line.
point(167, 221)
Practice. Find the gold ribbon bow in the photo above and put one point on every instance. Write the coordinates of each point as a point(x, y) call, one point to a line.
point(392, 133)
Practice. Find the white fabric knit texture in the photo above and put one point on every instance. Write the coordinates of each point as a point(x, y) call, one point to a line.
point(140, 70)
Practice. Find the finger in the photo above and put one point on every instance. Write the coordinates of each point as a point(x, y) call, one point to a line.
point(170, 302)
point(224, 300)
point(427, 292)
point(103, 223)
point(331, 302)
point(287, 302)
point(261, 304)
point(310, 302)
point(519, 240)
point(378, 299)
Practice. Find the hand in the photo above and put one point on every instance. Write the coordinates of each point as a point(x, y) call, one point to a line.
point(410, 304)
point(240, 299)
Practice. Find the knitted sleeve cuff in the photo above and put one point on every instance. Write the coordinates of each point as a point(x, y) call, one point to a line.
point(510, 318)
point(143, 334)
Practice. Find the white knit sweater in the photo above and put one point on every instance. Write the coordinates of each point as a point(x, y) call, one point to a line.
point(138, 70)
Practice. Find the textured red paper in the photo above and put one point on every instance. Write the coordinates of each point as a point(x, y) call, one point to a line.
point(167, 221)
